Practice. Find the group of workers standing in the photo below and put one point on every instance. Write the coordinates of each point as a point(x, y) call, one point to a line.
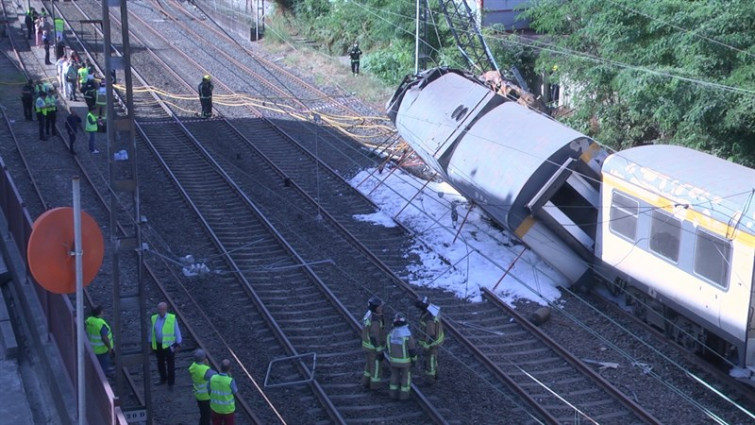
point(399, 347)
point(48, 32)
point(73, 75)
point(214, 390)
point(42, 98)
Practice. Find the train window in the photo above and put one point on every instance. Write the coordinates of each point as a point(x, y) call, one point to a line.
point(665, 232)
point(712, 257)
point(624, 211)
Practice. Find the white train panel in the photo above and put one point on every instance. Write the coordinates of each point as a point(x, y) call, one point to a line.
point(519, 138)
point(558, 254)
point(433, 119)
point(554, 187)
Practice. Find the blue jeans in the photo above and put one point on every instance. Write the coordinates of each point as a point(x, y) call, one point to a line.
point(104, 360)
point(91, 140)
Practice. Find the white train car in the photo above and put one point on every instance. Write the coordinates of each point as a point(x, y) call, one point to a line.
point(673, 227)
point(533, 175)
point(678, 228)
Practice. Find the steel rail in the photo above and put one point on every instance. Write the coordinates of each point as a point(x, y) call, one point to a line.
point(355, 324)
point(634, 407)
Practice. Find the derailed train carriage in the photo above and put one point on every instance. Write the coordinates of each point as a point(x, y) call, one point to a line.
point(673, 226)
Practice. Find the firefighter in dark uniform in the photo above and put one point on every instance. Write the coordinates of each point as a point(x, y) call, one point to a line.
point(402, 354)
point(89, 89)
point(205, 96)
point(355, 54)
point(27, 99)
point(373, 342)
point(432, 337)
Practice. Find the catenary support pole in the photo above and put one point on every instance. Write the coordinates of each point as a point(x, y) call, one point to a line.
point(77, 252)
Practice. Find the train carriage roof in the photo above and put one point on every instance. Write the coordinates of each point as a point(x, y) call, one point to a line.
point(711, 185)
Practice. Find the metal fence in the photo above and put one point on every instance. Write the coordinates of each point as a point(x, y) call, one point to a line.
point(57, 321)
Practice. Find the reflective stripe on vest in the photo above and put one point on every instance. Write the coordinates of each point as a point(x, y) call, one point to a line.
point(440, 334)
point(92, 128)
point(198, 371)
point(39, 106)
point(169, 337)
point(83, 74)
point(94, 327)
point(398, 342)
point(367, 323)
point(101, 97)
point(221, 396)
point(51, 103)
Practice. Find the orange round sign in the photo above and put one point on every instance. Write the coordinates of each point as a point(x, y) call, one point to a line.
point(51, 245)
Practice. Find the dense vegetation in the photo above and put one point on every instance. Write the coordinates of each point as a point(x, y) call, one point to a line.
point(640, 71)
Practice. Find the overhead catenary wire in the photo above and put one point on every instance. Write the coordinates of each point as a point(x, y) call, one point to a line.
point(542, 45)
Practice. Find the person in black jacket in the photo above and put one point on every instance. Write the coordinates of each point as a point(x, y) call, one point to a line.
point(73, 124)
point(355, 54)
point(47, 42)
point(89, 89)
point(205, 96)
point(31, 16)
point(27, 99)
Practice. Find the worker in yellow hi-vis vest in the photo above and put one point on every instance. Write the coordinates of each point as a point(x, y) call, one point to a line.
point(200, 377)
point(222, 388)
point(165, 340)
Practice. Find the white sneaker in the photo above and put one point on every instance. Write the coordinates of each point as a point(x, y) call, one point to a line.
point(94, 151)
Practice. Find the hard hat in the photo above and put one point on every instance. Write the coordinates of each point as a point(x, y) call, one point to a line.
point(199, 355)
point(399, 319)
point(374, 303)
point(206, 77)
point(422, 303)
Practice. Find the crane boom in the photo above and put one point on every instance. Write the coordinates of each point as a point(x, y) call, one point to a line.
point(470, 41)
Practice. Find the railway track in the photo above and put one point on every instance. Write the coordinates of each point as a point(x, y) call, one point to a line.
point(240, 159)
point(200, 179)
point(190, 172)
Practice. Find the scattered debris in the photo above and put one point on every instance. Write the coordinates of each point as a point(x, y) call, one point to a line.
point(192, 268)
point(603, 365)
point(540, 316)
point(646, 368)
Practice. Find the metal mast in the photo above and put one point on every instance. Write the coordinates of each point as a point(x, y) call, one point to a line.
point(469, 40)
point(467, 34)
point(129, 299)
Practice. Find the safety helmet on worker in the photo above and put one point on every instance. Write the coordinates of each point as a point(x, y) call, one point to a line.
point(206, 77)
point(373, 303)
point(422, 303)
point(399, 320)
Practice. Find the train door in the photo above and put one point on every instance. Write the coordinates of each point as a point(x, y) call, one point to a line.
point(568, 205)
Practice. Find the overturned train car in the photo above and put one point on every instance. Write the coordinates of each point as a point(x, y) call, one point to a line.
point(672, 226)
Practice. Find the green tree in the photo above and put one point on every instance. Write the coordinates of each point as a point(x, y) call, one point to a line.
point(385, 30)
point(668, 71)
